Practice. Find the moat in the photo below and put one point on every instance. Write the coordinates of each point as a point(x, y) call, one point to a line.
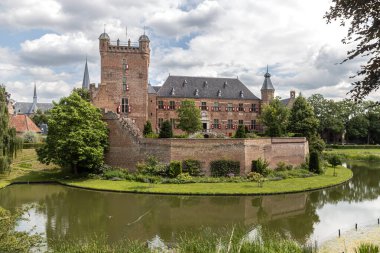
point(65, 212)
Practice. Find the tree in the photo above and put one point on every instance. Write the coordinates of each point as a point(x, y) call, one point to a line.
point(275, 118)
point(189, 117)
point(9, 143)
point(364, 31)
point(357, 128)
point(314, 163)
point(40, 117)
point(147, 128)
point(334, 160)
point(166, 130)
point(374, 127)
point(302, 119)
point(83, 93)
point(77, 137)
point(240, 132)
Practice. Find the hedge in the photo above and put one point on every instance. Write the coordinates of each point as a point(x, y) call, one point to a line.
point(222, 168)
point(193, 167)
point(32, 145)
point(335, 146)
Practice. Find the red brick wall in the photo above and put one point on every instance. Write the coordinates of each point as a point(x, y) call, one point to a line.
point(126, 150)
point(110, 92)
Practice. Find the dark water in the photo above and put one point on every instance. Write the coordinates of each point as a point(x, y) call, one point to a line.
point(68, 212)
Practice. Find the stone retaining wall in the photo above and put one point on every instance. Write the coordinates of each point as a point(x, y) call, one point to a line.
point(126, 149)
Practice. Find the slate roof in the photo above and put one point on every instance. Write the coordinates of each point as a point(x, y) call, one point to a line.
point(205, 87)
point(151, 89)
point(267, 84)
point(285, 101)
point(86, 78)
point(23, 123)
point(25, 107)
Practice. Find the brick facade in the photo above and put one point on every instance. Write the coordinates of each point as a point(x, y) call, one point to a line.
point(124, 89)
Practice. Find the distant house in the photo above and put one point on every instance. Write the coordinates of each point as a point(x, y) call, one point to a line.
point(29, 108)
point(22, 124)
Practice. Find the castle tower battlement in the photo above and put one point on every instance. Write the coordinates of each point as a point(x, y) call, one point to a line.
point(124, 78)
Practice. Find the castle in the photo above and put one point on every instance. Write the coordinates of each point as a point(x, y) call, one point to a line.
point(225, 103)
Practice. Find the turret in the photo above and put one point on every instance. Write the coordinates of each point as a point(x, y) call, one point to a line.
point(144, 43)
point(104, 41)
point(267, 90)
point(86, 78)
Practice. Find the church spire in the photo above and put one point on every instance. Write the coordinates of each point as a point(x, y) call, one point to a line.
point(35, 94)
point(86, 78)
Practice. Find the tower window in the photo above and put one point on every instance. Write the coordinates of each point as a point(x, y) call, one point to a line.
point(229, 107)
point(230, 124)
point(160, 104)
point(124, 105)
point(204, 106)
point(241, 107)
point(172, 105)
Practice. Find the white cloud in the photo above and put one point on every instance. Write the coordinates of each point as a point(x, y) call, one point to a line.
point(193, 37)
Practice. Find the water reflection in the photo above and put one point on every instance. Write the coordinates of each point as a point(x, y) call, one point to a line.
point(76, 213)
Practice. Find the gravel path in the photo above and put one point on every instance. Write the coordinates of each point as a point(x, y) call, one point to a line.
point(351, 239)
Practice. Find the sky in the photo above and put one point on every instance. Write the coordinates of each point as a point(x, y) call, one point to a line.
point(47, 41)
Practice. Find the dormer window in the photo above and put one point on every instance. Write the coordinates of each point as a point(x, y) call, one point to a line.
point(219, 93)
point(196, 92)
point(172, 92)
point(204, 84)
point(184, 83)
point(241, 94)
point(225, 84)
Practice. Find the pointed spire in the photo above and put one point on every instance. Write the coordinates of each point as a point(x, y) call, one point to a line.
point(86, 78)
point(267, 85)
point(35, 93)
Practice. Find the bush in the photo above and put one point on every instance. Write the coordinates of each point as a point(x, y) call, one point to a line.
point(148, 128)
point(221, 168)
point(151, 136)
point(314, 163)
point(174, 169)
point(184, 177)
point(193, 167)
point(240, 132)
point(115, 173)
point(260, 166)
point(282, 166)
point(166, 130)
point(254, 176)
point(30, 137)
point(152, 167)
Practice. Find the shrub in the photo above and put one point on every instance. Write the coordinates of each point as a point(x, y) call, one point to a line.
point(260, 166)
point(282, 166)
point(166, 130)
point(152, 167)
point(221, 168)
point(254, 176)
point(251, 135)
point(314, 163)
point(240, 132)
point(367, 248)
point(30, 137)
point(184, 177)
point(151, 136)
point(174, 169)
point(193, 167)
point(115, 173)
point(148, 128)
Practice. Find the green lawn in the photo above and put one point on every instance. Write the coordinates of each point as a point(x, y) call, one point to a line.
point(270, 187)
point(357, 154)
point(27, 169)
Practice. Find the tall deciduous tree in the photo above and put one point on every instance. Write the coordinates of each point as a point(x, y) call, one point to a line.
point(302, 119)
point(77, 136)
point(9, 143)
point(363, 19)
point(40, 117)
point(357, 128)
point(189, 117)
point(275, 117)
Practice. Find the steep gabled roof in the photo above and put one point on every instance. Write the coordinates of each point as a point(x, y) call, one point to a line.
point(25, 107)
point(22, 124)
point(205, 87)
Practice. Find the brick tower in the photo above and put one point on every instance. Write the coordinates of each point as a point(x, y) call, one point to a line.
point(124, 78)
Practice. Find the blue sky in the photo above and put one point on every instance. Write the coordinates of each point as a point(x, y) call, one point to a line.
point(47, 42)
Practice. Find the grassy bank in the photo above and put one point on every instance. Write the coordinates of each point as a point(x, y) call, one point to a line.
point(27, 169)
point(357, 154)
